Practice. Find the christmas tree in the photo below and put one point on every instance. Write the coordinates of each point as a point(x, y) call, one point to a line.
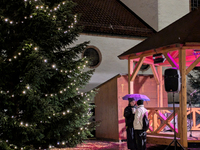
point(41, 74)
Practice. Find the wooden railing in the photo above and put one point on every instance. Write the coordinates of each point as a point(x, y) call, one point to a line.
point(193, 113)
point(161, 120)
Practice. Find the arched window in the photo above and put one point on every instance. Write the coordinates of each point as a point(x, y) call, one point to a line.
point(94, 56)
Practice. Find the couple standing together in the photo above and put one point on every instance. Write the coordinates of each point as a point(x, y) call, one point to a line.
point(136, 137)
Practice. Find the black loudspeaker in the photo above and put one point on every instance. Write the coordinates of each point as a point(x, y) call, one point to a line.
point(172, 80)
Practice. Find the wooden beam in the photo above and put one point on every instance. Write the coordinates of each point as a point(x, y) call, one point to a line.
point(174, 54)
point(151, 52)
point(155, 73)
point(192, 65)
point(146, 60)
point(130, 71)
point(183, 99)
point(191, 47)
point(160, 88)
point(137, 68)
point(171, 60)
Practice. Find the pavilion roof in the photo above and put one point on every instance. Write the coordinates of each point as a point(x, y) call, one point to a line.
point(183, 31)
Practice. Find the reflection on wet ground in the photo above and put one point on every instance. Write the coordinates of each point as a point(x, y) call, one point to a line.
point(109, 145)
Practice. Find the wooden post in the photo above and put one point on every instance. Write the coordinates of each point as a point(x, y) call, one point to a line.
point(159, 70)
point(183, 99)
point(130, 71)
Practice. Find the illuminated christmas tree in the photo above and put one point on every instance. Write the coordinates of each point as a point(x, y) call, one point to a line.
point(41, 74)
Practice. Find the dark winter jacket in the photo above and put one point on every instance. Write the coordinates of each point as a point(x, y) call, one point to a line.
point(129, 116)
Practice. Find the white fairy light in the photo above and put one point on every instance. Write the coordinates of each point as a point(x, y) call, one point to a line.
point(53, 66)
point(35, 48)
point(45, 60)
point(67, 111)
point(24, 92)
point(11, 22)
point(64, 113)
point(15, 57)
point(64, 89)
point(21, 123)
point(19, 53)
point(6, 19)
point(26, 125)
point(13, 96)
point(61, 91)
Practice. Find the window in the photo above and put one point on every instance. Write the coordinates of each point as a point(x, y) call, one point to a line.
point(94, 56)
point(194, 4)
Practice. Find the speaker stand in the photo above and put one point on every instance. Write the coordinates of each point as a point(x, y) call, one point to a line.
point(175, 140)
point(190, 105)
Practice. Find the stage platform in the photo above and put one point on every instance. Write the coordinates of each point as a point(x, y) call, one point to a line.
point(164, 140)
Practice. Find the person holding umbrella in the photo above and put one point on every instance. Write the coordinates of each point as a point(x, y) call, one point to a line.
point(129, 113)
point(140, 134)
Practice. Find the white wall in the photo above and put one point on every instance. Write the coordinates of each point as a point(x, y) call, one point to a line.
point(170, 11)
point(145, 9)
point(111, 65)
point(158, 13)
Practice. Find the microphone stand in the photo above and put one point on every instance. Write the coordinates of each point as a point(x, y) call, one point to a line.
point(190, 106)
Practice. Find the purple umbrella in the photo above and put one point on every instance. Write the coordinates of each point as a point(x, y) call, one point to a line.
point(136, 97)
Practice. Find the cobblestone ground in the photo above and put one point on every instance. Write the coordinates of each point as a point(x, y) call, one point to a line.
point(108, 145)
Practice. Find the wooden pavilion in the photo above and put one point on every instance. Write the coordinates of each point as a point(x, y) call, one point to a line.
point(179, 43)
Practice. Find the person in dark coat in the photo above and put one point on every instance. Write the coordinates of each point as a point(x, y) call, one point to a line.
point(129, 113)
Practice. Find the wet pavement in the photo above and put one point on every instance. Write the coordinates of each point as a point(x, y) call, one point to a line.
point(109, 145)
